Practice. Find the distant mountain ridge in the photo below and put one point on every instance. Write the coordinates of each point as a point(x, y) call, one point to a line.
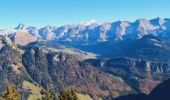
point(94, 32)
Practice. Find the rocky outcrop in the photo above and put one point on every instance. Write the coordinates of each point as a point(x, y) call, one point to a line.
point(54, 69)
point(141, 75)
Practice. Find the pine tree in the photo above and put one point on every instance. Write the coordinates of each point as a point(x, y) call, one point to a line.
point(2, 98)
point(47, 96)
point(11, 94)
point(67, 95)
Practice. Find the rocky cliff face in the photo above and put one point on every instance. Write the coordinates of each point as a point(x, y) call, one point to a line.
point(54, 69)
point(141, 75)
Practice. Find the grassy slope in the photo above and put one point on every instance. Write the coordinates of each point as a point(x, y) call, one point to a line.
point(35, 90)
point(83, 97)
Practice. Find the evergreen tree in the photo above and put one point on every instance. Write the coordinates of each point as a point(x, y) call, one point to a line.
point(11, 94)
point(2, 98)
point(47, 95)
point(67, 95)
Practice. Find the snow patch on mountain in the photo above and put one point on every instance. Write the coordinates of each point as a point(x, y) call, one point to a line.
point(90, 22)
point(92, 31)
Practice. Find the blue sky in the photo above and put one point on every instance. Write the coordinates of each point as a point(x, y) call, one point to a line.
point(60, 12)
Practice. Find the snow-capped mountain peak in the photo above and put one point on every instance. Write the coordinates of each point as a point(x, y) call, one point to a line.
point(90, 22)
point(157, 21)
point(92, 31)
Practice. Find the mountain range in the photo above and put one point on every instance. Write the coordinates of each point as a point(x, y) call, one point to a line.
point(94, 32)
point(103, 61)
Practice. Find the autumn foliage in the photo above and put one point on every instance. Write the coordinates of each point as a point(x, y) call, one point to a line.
point(10, 94)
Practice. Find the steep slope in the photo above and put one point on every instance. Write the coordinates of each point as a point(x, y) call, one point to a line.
point(133, 97)
point(22, 38)
point(141, 75)
point(161, 92)
point(59, 68)
point(37, 67)
point(12, 70)
point(148, 47)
